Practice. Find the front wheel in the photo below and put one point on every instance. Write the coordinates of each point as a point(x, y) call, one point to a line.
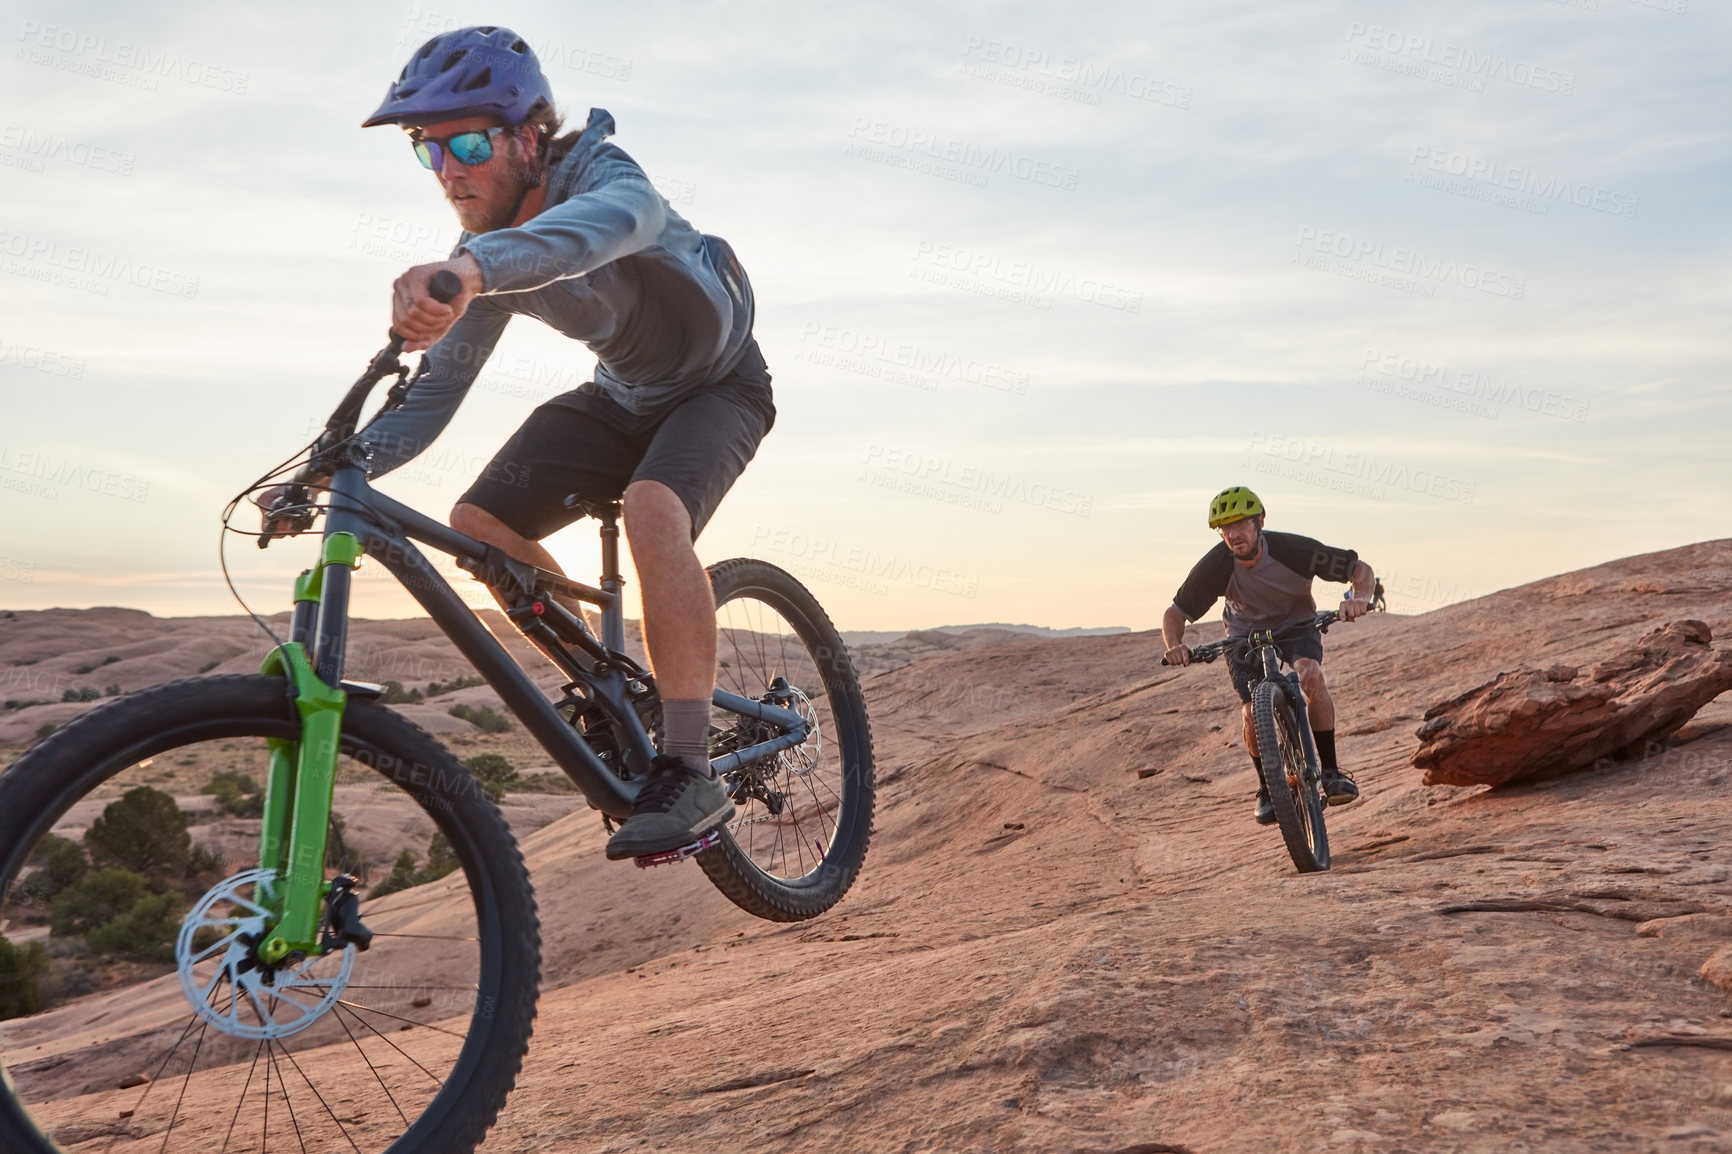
point(133, 901)
point(803, 815)
point(1293, 789)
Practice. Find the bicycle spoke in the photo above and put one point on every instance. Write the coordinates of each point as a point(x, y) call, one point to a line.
point(235, 1117)
point(175, 1116)
point(283, 1084)
point(395, 1047)
point(396, 1017)
point(316, 1094)
point(372, 1068)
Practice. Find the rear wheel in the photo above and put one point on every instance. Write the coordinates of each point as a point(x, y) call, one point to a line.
point(129, 918)
point(804, 815)
point(1293, 788)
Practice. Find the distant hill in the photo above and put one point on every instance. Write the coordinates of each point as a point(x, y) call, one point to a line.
point(884, 637)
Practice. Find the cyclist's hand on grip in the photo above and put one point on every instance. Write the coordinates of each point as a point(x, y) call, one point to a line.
point(1177, 655)
point(275, 504)
point(1352, 609)
point(420, 319)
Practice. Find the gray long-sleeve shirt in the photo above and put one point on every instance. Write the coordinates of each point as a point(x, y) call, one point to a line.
point(665, 309)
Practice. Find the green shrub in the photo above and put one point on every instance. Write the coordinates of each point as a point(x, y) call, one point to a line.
point(145, 832)
point(395, 694)
point(546, 783)
point(145, 932)
point(83, 693)
point(59, 864)
point(236, 793)
point(494, 773)
point(20, 967)
point(99, 898)
point(204, 868)
point(436, 688)
point(482, 717)
point(441, 860)
point(403, 876)
point(46, 728)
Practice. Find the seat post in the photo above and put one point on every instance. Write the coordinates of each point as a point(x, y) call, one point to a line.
point(613, 617)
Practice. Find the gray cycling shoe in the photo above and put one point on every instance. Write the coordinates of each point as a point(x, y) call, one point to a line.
point(1338, 788)
point(675, 809)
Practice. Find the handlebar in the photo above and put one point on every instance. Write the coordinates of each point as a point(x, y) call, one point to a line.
point(444, 288)
point(1208, 653)
point(294, 505)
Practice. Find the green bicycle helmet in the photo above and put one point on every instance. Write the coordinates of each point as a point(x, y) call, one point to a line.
point(1233, 504)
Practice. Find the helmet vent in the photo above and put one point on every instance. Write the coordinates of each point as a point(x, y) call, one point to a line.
point(480, 80)
point(520, 47)
point(451, 60)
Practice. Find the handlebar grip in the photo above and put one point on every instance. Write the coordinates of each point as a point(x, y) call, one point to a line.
point(445, 286)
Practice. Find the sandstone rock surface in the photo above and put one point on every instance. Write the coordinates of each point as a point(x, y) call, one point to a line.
point(1534, 724)
point(1138, 967)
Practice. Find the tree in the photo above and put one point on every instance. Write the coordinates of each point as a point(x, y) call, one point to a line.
point(145, 832)
point(493, 772)
point(483, 717)
point(145, 932)
point(403, 875)
point(59, 863)
point(441, 860)
point(20, 966)
point(236, 793)
point(98, 899)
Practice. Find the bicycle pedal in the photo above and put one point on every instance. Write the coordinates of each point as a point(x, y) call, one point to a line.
point(673, 856)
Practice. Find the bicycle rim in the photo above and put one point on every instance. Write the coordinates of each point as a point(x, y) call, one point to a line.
point(786, 820)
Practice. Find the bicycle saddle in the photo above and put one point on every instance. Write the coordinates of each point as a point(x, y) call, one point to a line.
point(600, 510)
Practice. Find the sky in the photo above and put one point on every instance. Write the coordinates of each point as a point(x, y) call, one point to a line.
point(1439, 282)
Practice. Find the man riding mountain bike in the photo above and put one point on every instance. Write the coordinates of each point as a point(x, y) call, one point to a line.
point(568, 229)
point(1266, 579)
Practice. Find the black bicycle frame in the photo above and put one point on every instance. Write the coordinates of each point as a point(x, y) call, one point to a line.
point(385, 527)
point(1289, 682)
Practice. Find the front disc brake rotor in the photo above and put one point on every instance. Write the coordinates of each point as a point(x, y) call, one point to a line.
point(229, 987)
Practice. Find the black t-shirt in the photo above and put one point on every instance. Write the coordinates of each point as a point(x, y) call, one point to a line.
point(1276, 591)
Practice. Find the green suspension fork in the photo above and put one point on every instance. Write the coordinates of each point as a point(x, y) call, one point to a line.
point(302, 783)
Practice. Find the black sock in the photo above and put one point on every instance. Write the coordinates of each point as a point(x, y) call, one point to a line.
point(1258, 762)
point(1325, 747)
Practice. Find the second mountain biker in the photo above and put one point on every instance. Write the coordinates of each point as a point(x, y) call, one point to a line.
point(1266, 579)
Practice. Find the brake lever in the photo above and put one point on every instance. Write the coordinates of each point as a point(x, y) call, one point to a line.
point(293, 497)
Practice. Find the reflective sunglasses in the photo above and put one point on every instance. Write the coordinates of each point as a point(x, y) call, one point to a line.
point(470, 148)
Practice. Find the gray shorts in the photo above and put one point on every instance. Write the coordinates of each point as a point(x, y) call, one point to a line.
point(584, 443)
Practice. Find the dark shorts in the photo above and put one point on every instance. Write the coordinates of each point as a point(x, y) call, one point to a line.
point(583, 442)
point(1306, 644)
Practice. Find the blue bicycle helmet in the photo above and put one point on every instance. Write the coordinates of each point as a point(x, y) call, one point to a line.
point(481, 71)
